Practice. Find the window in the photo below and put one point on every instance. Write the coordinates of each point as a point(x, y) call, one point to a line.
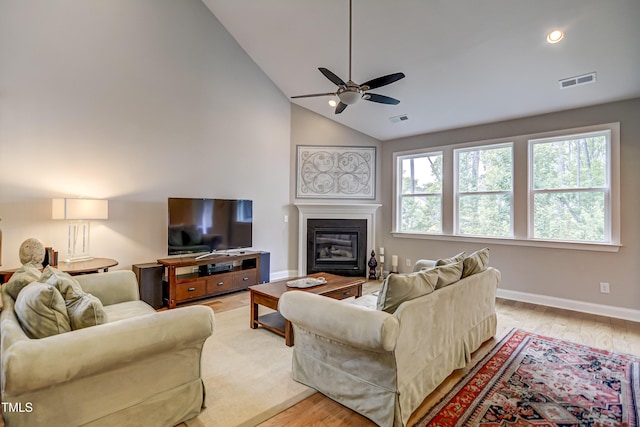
point(570, 187)
point(421, 193)
point(557, 189)
point(484, 190)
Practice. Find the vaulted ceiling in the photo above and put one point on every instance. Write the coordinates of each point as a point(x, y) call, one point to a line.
point(466, 62)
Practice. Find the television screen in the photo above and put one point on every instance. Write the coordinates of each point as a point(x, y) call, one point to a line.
point(207, 225)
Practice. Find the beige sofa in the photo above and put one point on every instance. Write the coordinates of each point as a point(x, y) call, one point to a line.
point(383, 365)
point(142, 367)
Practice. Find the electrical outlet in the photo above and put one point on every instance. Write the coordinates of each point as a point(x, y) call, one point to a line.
point(604, 287)
point(408, 262)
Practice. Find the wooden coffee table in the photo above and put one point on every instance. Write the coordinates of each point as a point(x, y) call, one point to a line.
point(268, 295)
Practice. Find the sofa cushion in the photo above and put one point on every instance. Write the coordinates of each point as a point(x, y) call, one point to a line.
point(41, 311)
point(84, 309)
point(22, 277)
point(398, 288)
point(448, 274)
point(452, 260)
point(476, 262)
point(127, 310)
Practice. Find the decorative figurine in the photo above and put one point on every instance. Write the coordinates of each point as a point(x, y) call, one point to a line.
point(372, 266)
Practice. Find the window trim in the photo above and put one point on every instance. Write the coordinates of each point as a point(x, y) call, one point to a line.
point(520, 207)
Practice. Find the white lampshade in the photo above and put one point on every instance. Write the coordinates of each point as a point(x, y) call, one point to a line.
point(74, 209)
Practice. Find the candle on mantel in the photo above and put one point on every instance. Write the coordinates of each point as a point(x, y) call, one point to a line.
point(394, 260)
point(382, 258)
point(381, 250)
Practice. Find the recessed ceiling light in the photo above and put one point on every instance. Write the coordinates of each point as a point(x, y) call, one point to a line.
point(333, 102)
point(555, 36)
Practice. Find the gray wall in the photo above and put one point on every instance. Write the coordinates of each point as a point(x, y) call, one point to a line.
point(309, 128)
point(556, 273)
point(134, 101)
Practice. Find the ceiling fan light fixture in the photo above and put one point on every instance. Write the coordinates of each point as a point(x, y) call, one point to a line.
point(333, 103)
point(349, 97)
point(555, 36)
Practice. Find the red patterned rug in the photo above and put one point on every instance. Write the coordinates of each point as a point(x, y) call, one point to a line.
point(531, 380)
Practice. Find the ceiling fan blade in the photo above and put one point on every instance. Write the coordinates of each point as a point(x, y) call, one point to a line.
point(314, 94)
point(340, 108)
point(335, 79)
point(373, 97)
point(383, 81)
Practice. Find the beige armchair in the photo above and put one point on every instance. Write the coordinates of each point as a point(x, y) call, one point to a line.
point(142, 367)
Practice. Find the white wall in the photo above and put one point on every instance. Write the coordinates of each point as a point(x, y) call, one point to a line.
point(134, 101)
point(556, 274)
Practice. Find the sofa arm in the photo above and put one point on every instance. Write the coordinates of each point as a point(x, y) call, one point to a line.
point(31, 364)
point(340, 321)
point(111, 287)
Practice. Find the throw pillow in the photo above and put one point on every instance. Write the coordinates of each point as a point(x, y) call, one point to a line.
point(476, 262)
point(398, 288)
point(41, 311)
point(83, 309)
point(452, 260)
point(66, 284)
point(448, 274)
point(22, 277)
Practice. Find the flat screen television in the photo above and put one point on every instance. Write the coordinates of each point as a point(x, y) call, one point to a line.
point(208, 225)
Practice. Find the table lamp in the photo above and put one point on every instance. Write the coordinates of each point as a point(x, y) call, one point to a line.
point(79, 212)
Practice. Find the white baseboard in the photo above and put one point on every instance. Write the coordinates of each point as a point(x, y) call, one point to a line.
point(567, 304)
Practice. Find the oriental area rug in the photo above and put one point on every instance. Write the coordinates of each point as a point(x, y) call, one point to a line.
point(532, 380)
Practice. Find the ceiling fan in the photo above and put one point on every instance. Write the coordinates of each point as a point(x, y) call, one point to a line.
point(349, 93)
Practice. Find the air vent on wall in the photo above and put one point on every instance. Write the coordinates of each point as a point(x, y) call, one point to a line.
point(398, 119)
point(578, 80)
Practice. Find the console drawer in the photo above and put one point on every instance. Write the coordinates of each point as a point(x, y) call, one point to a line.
point(220, 283)
point(244, 278)
point(190, 290)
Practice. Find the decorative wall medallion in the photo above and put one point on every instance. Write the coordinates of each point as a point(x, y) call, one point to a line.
point(336, 172)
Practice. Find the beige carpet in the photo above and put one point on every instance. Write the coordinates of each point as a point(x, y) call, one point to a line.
point(247, 374)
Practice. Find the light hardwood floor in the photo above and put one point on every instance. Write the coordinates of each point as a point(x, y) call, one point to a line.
point(597, 331)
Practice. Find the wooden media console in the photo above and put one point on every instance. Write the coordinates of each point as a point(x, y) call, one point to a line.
point(209, 276)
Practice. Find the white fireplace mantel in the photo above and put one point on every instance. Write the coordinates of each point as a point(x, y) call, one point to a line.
point(333, 211)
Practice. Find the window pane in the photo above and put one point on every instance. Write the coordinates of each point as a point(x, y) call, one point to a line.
point(421, 214)
point(570, 216)
point(485, 215)
point(485, 169)
point(422, 174)
point(572, 163)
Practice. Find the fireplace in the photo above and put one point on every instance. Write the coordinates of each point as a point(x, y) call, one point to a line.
point(337, 246)
point(308, 211)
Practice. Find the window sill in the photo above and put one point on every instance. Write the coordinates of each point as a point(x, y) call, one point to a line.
point(597, 247)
